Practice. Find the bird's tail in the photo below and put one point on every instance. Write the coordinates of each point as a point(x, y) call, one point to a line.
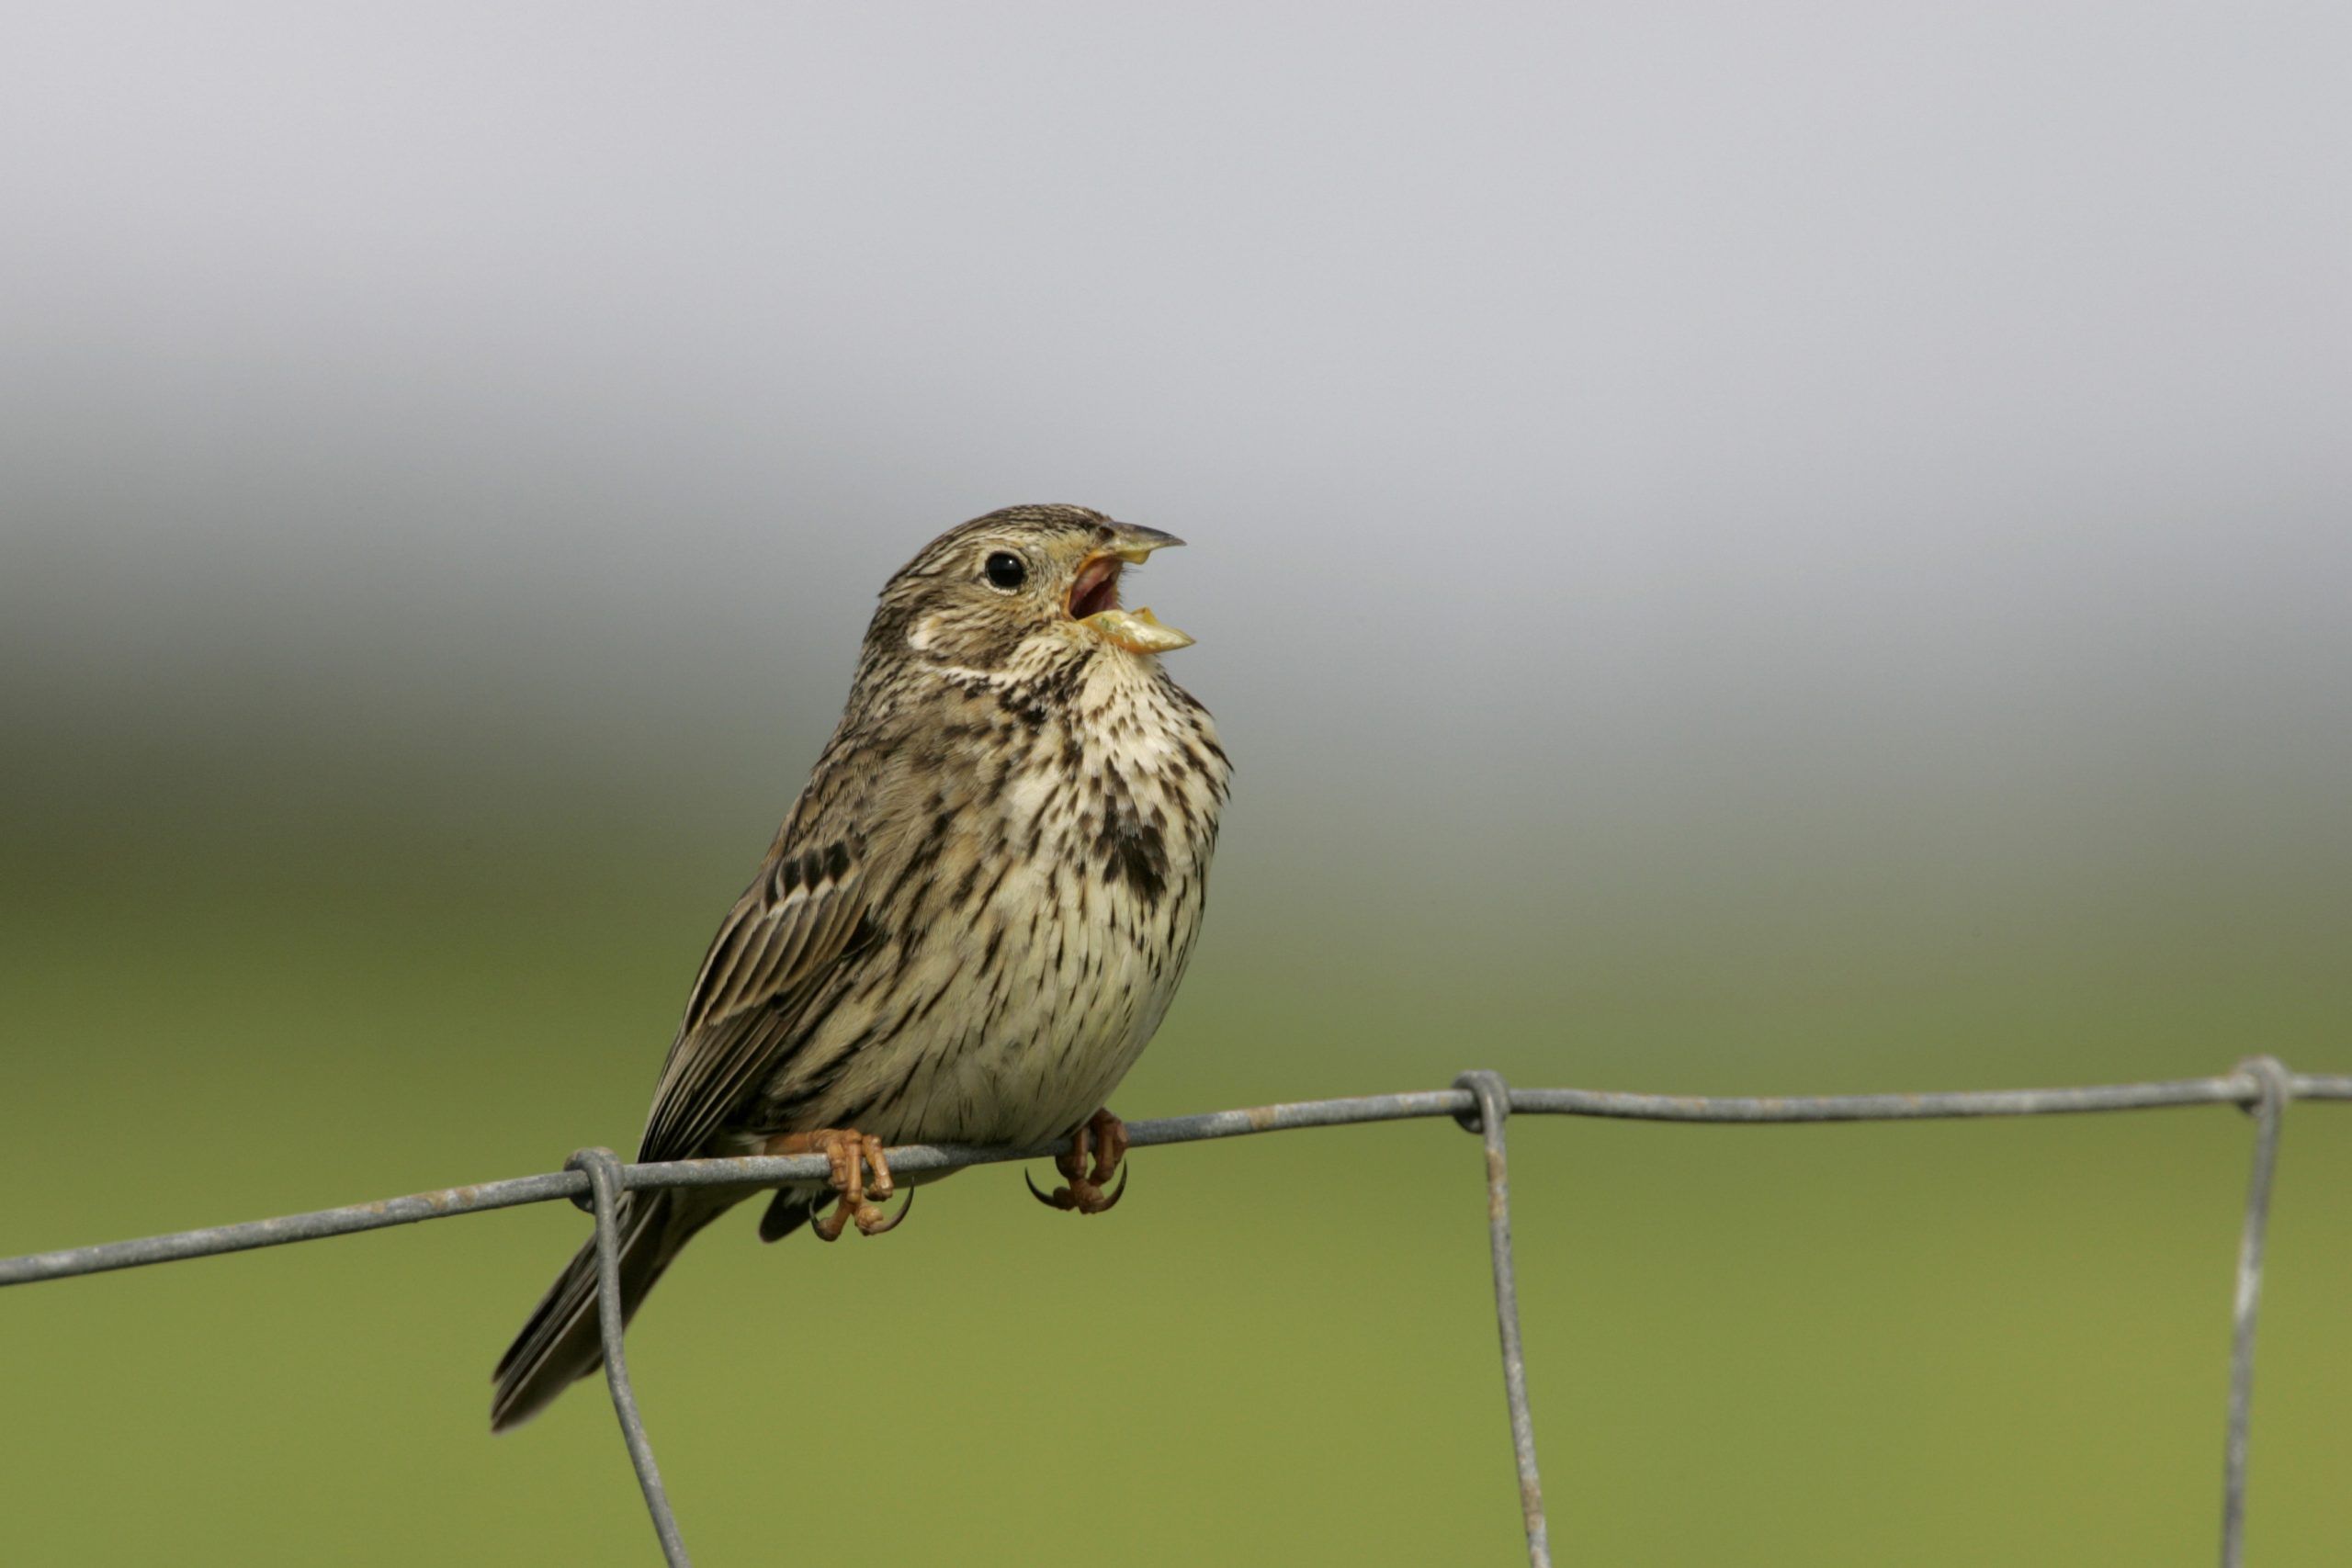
point(561, 1343)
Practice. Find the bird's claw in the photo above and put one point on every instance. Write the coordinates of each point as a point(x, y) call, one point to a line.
point(1084, 1197)
point(850, 1154)
point(1103, 1140)
point(872, 1221)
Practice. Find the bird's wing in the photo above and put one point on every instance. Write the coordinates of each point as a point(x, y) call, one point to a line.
point(786, 930)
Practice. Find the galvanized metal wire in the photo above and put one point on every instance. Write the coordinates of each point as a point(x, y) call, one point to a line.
point(1481, 1101)
point(2277, 1087)
point(603, 1168)
point(1494, 1109)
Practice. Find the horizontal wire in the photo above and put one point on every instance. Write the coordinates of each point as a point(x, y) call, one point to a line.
point(2234, 1089)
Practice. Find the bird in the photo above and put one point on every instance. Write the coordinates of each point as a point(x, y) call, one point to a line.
point(968, 928)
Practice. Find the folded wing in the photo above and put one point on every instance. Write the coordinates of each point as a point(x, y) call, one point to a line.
point(787, 930)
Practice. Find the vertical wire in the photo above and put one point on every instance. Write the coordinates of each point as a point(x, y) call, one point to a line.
point(2275, 1088)
point(603, 1186)
point(1493, 1105)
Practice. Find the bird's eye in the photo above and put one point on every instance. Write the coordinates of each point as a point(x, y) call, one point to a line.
point(1006, 570)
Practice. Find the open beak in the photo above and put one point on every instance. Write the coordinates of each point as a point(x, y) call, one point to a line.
point(1094, 593)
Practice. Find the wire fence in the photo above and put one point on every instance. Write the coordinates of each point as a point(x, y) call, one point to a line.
point(594, 1179)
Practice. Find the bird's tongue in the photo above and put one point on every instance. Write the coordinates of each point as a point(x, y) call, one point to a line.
point(1095, 599)
point(1097, 587)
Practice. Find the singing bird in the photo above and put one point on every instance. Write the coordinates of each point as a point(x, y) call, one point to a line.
point(968, 926)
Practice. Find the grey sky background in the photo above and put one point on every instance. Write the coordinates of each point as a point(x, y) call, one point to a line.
point(1625, 447)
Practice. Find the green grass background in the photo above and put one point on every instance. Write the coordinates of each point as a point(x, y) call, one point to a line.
point(1930, 1344)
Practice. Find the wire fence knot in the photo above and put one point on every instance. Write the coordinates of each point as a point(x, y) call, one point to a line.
point(1489, 1096)
point(2273, 1084)
point(588, 1162)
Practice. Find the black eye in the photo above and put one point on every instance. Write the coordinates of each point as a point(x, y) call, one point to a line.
point(1007, 570)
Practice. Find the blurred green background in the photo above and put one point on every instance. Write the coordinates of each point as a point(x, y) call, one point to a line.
point(1934, 1343)
point(1786, 554)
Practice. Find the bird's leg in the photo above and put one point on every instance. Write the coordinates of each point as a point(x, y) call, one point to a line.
point(850, 1154)
point(1101, 1140)
point(1110, 1144)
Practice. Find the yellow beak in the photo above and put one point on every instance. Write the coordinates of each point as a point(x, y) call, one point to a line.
point(1133, 542)
point(1137, 631)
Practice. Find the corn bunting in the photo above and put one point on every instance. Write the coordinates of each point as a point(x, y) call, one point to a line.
point(968, 926)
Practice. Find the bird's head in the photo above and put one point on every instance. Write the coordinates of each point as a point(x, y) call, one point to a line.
point(1026, 589)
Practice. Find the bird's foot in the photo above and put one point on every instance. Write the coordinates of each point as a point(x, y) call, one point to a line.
point(851, 1154)
point(1102, 1140)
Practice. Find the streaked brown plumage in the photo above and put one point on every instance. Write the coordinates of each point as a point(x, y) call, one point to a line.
point(970, 922)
